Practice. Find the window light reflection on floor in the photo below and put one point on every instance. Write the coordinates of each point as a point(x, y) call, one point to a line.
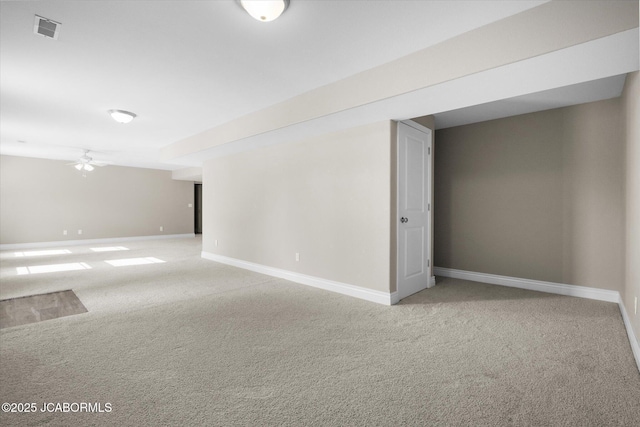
point(37, 269)
point(42, 253)
point(110, 249)
point(134, 261)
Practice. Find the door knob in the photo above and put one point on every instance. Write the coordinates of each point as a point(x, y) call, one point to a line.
point(403, 219)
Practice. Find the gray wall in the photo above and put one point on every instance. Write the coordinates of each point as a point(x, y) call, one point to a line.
point(538, 196)
point(41, 198)
point(326, 198)
point(630, 99)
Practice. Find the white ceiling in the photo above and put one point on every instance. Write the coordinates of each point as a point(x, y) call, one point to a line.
point(187, 66)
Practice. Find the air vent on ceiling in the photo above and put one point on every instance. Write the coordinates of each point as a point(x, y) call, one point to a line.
point(46, 27)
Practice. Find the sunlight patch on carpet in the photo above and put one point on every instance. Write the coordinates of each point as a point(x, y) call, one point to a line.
point(110, 249)
point(43, 253)
point(38, 269)
point(134, 261)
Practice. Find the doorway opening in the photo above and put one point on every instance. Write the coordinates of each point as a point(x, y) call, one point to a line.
point(198, 209)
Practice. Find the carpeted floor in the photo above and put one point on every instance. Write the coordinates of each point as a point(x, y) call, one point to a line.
point(192, 342)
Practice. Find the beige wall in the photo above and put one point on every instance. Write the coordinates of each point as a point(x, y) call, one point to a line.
point(538, 196)
point(593, 195)
point(41, 198)
point(326, 198)
point(631, 96)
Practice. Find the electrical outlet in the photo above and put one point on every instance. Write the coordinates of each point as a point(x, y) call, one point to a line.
point(216, 242)
point(79, 231)
point(161, 228)
point(64, 232)
point(190, 205)
point(297, 257)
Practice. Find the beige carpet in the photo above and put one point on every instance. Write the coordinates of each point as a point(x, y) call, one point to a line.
point(192, 342)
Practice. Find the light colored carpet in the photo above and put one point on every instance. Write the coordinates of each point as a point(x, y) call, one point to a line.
point(192, 342)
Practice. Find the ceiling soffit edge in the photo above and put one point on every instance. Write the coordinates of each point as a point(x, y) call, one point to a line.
point(547, 28)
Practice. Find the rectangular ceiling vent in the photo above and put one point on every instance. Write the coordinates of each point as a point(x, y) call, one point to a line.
point(46, 27)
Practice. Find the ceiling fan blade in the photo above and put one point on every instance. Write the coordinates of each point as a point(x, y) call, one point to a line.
point(101, 162)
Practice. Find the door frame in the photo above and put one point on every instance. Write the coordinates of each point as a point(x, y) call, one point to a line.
point(429, 185)
point(197, 208)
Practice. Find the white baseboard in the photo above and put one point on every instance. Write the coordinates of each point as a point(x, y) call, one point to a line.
point(552, 288)
point(15, 246)
point(532, 285)
point(394, 298)
point(316, 282)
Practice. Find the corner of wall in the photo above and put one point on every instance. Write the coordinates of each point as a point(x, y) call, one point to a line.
point(393, 238)
point(631, 288)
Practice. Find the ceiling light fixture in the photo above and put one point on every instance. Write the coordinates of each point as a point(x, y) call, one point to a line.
point(264, 10)
point(122, 116)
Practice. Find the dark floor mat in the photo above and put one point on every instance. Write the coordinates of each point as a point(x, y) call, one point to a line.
point(37, 308)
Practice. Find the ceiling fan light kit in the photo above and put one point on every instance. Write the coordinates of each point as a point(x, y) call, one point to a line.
point(86, 163)
point(84, 167)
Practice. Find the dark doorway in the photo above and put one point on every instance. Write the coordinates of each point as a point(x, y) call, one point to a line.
point(198, 209)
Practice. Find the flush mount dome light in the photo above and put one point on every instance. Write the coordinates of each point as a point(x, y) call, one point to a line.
point(122, 116)
point(264, 10)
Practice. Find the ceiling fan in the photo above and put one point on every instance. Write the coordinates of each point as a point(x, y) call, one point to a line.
point(86, 163)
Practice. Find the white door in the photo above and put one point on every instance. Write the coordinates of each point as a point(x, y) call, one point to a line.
point(414, 205)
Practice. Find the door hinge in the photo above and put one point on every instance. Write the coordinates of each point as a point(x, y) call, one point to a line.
point(428, 206)
point(429, 150)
